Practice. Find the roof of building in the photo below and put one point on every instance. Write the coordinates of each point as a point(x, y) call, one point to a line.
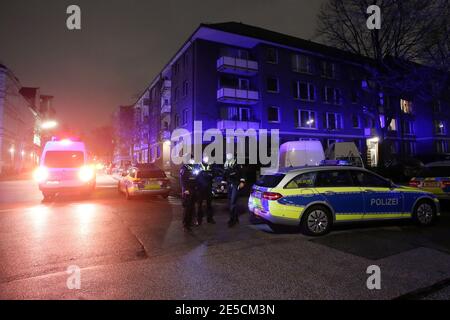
point(283, 39)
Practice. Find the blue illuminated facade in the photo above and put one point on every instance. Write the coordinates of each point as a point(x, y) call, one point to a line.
point(232, 75)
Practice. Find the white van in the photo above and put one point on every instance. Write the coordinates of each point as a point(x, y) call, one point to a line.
point(301, 153)
point(345, 151)
point(64, 168)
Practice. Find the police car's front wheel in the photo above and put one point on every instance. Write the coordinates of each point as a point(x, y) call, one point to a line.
point(316, 221)
point(424, 213)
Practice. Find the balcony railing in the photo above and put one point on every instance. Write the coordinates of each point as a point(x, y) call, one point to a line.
point(231, 124)
point(237, 66)
point(238, 96)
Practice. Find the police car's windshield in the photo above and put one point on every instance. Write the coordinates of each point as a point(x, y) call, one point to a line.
point(270, 181)
point(64, 159)
point(146, 174)
point(430, 172)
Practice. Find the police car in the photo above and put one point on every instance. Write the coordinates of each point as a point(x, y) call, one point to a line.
point(434, 178)
point(315, 198)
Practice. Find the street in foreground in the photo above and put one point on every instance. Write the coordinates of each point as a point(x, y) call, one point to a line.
point(137, 250)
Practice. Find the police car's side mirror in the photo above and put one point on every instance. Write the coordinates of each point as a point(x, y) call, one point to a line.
point(392, 185)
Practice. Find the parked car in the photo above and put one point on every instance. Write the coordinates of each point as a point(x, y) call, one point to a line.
point(144, 179)
point(402, 169)
point(434, 178)
point(316, 198)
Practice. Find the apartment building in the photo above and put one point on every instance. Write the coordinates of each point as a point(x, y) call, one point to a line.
point(232, 75)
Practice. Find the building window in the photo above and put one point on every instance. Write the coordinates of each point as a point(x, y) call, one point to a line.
point(301, 63)
point(333, 121)
point(409, 148)
point(393, 125)
point(244, 84)
point(355, 121)
point(439, 127)
point(332, 96)
point(272, 85)
point(185, 116)
point(175, 94)
point(272, 55)
point(437, 106)
point(185, 88)
point(177, 120)
point(274, 114)
point(441, 146)
point(304, 91)
point(406, 106)
point(328, 70)
point(306, 119)
point(355, 97)
point(237, 114)
point(244, 114)
point(408, 127)
point(176, 68)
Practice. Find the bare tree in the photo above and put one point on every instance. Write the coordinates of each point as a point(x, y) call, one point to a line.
point(409, 54)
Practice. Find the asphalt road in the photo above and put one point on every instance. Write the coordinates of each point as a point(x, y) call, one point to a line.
point(137, 250)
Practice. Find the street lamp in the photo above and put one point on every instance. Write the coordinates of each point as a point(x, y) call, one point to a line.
point(51, 124)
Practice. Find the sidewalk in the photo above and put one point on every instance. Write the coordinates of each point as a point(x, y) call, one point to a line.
point(17, 176)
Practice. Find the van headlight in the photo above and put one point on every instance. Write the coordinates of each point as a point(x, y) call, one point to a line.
point(40, 174)
point(86, 174)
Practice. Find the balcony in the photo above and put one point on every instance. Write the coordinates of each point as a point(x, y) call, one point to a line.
point(237, 96)
point(230, 124)
point(237, 66)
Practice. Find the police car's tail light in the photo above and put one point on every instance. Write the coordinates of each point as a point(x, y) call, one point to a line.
point(40, 174)
point(272, 196)
point(86, 174)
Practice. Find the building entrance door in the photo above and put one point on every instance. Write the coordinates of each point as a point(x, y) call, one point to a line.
point(372, 152)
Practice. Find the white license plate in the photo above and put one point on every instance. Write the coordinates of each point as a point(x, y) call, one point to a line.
point(431, 184)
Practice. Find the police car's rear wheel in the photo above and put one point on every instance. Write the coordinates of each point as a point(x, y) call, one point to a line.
point(424, 213)
point(316, 221)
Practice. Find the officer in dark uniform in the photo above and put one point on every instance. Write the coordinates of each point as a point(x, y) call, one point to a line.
point(204, 191)
point(236, 181)
point(188, 190)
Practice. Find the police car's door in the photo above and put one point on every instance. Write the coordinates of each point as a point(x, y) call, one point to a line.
point(380, 200)
point(339, 190)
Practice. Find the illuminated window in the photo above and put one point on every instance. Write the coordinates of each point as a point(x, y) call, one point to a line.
point(406, 106)
point(393, 125)
point(439, 127)
point(306, 119)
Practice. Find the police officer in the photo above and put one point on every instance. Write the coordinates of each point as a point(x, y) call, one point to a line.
point(204, 191)
point(188, 190)
point(235, 178)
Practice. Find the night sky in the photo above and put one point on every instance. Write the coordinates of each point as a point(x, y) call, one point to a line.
point(123, 44)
